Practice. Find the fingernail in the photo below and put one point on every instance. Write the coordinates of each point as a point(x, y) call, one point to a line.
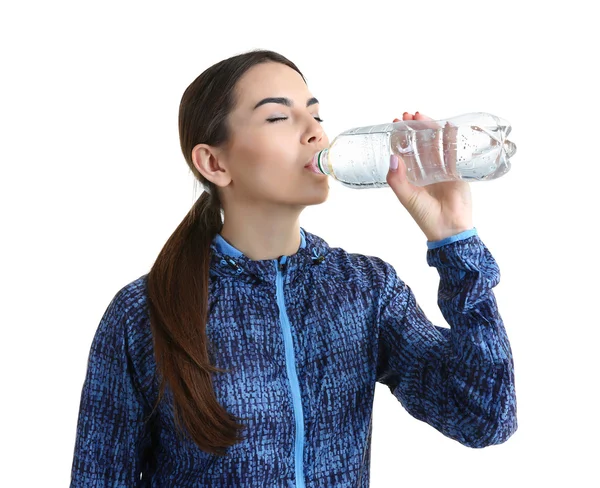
point(404, 113)
point(416, 113)
point(394, 162)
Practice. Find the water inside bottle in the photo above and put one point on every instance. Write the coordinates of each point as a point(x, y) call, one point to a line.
point(360, 157)
point(364, 158)
point(469, 153)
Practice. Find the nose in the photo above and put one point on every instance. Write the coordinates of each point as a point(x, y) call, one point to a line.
point(314, 132)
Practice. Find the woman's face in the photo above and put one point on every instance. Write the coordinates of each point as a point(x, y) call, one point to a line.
point(273, 140)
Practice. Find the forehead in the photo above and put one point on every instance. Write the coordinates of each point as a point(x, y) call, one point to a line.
point(270, 80)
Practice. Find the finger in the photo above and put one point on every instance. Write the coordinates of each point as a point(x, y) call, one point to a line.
point(421, 121)
point(405, 116)
point(420, 116)
point(427, 121)
point(450, 133)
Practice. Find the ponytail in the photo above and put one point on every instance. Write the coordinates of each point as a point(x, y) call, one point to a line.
point(178, 306)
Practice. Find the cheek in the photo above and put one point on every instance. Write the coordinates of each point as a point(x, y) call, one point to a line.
point(267, 153)
point(266, 162)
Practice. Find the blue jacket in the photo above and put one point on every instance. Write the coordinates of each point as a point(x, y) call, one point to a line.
point(306, 338)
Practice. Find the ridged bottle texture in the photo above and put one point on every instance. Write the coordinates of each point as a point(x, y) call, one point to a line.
point(470, 147)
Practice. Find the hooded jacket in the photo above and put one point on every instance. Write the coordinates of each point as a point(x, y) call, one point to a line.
point(305, 338)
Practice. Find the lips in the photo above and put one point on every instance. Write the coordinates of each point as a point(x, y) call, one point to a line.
point(312, 162)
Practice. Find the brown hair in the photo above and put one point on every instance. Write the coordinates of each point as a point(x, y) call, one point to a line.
point(179, 279)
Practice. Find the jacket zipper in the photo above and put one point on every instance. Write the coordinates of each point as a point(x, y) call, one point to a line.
point(292, 374)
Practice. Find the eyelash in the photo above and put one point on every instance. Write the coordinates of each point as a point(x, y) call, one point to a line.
point(318, 119)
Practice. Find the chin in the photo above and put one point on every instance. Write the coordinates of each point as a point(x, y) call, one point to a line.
point(318, 197)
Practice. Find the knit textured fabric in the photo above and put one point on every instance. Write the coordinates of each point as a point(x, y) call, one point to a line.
point(305, 338)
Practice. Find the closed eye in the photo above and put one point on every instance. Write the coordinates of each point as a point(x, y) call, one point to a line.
point(318, 119)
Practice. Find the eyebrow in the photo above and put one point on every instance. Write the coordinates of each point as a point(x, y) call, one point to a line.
point(284, 101)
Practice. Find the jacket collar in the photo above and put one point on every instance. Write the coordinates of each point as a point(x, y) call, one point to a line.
point(226, 260)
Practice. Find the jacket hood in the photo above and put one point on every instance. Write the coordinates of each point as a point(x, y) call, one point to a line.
point(226, 260)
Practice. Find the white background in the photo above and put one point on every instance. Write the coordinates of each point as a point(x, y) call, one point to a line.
point(93, 183)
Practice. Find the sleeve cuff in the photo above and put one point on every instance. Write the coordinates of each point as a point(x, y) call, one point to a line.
point(448, 240)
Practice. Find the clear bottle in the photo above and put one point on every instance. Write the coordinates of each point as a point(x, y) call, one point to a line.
point(470, 147)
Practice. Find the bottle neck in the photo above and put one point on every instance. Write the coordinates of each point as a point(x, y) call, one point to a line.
point(323, 162)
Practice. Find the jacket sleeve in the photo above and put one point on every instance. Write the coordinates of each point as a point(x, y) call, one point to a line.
point(111, 433)
point(460, 380)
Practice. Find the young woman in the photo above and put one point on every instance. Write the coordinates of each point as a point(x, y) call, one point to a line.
point(248, 355)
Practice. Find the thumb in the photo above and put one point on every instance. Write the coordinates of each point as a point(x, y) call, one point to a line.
point(399, 183)
point(397, 171)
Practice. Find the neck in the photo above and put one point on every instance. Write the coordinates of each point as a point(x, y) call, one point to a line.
point(260, 237)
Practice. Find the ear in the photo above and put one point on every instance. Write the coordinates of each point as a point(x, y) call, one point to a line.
point(209, 162)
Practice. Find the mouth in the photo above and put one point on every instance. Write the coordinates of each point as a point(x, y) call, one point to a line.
point(312, 162)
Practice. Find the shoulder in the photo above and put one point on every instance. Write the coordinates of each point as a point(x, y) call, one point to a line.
point(131, 304)
point(126, 321)
point(131, 298)
point(126, 310)
point(364, 268)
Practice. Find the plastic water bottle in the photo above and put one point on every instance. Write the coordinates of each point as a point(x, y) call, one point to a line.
point(470, 147)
